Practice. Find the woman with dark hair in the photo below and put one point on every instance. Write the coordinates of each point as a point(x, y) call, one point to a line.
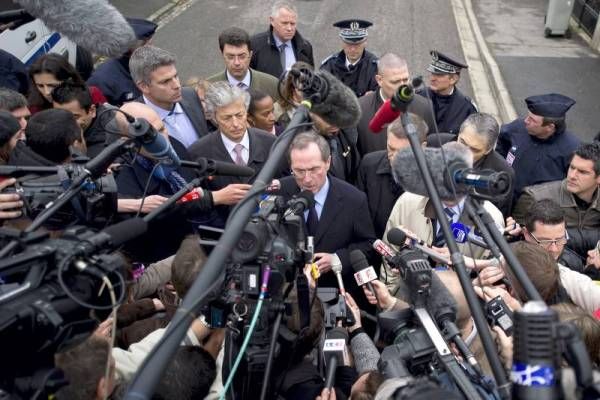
point(49, 71)
point(290, 97)
point(10, 133)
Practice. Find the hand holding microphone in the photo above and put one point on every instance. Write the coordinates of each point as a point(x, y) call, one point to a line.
point(381, 296)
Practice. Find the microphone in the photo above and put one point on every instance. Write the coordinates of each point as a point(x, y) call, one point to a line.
point(364, 273)
point(94, 25)
point(384, 250)
point(337, 270)
point(112, 237)
point(300, 203)
point(398, 237)
point(392, 108)
point(536, 361)
point(214, 167)
point(155, 144)
point(491, 182)
point(334, 353)
point(327, 97)
point(407, 174)
point(463, 233)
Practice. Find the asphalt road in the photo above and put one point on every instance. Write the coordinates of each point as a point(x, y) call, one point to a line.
point(410, 28)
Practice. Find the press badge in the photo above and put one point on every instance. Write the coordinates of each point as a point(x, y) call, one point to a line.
point(510, 157)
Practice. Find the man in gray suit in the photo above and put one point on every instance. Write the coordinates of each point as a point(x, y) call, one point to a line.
point(154, 73)
point(235, 47)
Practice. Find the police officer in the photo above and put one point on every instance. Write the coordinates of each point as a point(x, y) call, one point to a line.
point(113, 77)
point(450, 106)
point(354, 66)
point(538, 147)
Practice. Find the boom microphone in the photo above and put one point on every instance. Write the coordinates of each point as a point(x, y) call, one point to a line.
point(112, 236)
point(406, 172)
point(94, 25)
point(489, 181)
point(214, 167)
point(155, 144)
point(392, 108)
point(328, 97)
point(300, 203)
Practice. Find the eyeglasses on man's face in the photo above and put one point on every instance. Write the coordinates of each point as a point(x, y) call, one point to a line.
point(549, 242)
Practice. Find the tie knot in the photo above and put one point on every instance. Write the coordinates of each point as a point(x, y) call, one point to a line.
point(238, 148)
point(242, 85)
point(282, 46)
point(450, 213)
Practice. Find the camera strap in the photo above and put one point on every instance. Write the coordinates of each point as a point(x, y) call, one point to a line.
point(65, 182)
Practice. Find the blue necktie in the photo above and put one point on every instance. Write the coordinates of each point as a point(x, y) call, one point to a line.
point(439, 240)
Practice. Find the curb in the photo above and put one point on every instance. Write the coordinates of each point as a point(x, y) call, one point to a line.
point(488, 84)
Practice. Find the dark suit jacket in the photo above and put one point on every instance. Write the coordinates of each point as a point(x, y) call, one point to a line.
point(369, 104)
point(265, 54)
point(496, 162)
point(345, 225)
point(193, 109)
point(211, 146)
point(376, 180)
point(258, 80)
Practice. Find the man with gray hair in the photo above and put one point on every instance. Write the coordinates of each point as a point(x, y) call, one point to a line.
point(392, 72)
point(277, 49)
point(154, 73)
point(233, 142)
point(479, 132)
point(16, 104)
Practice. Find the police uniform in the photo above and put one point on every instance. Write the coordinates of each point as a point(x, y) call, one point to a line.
point(113, 76)
point(360, 76)
point(537, 160)
point(450, 110)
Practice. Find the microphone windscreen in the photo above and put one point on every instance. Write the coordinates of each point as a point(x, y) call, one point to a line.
point(337, 333)
point(407, 174)
point(229, 169)
point(385, 115)
point(396, 237)
point(125, 231)
point(94, 25)
point(308, 196)
point(358, 260)
point(341, 107)
point(441, 303)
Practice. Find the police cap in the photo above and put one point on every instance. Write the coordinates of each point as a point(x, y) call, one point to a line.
point(552, 105)
point(353, 30)
point(442, 64)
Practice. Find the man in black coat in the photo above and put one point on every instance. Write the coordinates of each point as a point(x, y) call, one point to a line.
point(450, 105)
point(153, 71)
point(339, 221)
point(375, 174)
point(479, 132)
point(354, 65)
point(112, 77)
point(233, 143)
point(277, 49)
point(392, 72)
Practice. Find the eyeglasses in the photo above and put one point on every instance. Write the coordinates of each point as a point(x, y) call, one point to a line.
point(547, 243)
point(301, 173)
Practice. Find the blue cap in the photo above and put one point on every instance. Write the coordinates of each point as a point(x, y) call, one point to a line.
point(551, 105)
point(142, 28)
point(353, 30)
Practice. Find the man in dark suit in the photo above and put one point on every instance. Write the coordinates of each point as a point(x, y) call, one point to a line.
point(234, 142)
point(154, 73)
point(375, 173)
point(235, 47)
point(277, 49)
point(339, 221)
point(392, 72)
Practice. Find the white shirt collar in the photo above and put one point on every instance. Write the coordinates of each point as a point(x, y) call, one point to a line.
point(321, 195)
point(279, 42)
point(234, 82)
point(230, 144)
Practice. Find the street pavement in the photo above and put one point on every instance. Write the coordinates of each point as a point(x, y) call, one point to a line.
point(532, 64)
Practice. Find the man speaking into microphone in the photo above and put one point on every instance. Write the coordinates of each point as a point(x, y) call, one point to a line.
point(414, 211)
point(339, 221)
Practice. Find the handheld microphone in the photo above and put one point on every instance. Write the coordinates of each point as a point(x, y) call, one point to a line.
point(406, 172)
point(334, 353)
point(384, 250)
point(392, 108)
point(337, 270)
point(463, 233)
point(300, 203)
point(398, 237)
point(536, 361)
point(328, 97)
point(112, 237)
point(94, 25)
point(491, 182)
point(364, 272)
point(155, 144)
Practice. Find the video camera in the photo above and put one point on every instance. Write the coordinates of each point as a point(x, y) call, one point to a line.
point(95, 205)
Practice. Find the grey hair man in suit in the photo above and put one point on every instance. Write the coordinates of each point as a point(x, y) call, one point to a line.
point(154, 72)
